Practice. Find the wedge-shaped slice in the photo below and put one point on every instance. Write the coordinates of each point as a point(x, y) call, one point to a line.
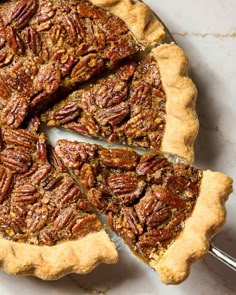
point(47, 47)
point(47, 228)
point(166, 212)
point(150, 104)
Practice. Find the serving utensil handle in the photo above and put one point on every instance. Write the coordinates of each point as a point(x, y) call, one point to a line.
point(223, 257)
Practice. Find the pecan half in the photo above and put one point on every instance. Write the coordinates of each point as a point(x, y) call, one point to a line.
point(33, 40)
point(131, 222)
point(118, 158)
point(147, 206)
point(36, 217)
point(176, 221)
point(40, 173)
point(46, 12)
point(6, 177)
point(20, 77)
point(47, 238)
point(67, 113)
point(18, 160)
point(113, 26)
point(120, 47)
point(150, 239)
point(54, 159)
point(86, 225)
point(113, 115)
point(87, 67)
point(41, 149)
point(73, 155)
point(87, 178)
point(85, 9)
point(25, 193)
point(111, 93)
point(151, 163)
point(15, 41)
point(168, 197)
point(64, 61)
point(20, 137)
point(15, 111)
point(95, 37)
point(48, 79)
point(23, 12)
point(158, 217)
point(148, 71)
point(142, 124)
point(74, 28)
point(73, 194)
point(65, 217)
point(50, 182)
point(141, 99)
point(127, 187)
point(4, 89)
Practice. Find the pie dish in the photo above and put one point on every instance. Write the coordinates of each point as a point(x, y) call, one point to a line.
point(98, 68)
point(47, 228)
point(166, 213)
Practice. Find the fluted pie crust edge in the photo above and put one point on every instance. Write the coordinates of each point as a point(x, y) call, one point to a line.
point(182, 123)
point(139, 18)
point(206, 220)
point(52, 262)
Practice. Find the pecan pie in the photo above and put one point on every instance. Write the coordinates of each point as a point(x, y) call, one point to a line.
point(94, 67)
point(49, 46)
point(166, 212)
point(147, 104)
point(47, 228)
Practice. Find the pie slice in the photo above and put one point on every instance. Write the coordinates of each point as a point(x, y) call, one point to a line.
point(165, 212)
point(48, 47)
point(47, 228)
point(149, 104)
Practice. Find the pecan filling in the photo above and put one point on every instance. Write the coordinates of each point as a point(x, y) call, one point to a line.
point(146, 198)
point(126, 107)
point(48, 47)
point(39, 203)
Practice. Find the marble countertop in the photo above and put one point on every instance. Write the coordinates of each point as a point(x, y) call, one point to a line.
point(207, 32)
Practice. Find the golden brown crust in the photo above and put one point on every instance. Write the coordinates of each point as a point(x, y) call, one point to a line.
point(138, 17)
point(181, 119)
point(206, 220)
point(50, 263)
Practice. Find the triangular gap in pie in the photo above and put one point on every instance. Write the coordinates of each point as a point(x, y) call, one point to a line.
point(165, 212)
point(48, 47)
point(149, 104)
point(47, 228)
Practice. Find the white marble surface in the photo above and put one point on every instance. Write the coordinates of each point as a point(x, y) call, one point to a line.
point(207, 32)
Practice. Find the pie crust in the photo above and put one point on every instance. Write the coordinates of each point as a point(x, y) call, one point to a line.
point(52, 262)
point(206, 220)
point(138, 17)
point(181, 119)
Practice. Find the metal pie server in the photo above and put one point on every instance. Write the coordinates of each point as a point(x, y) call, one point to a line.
point(213, 250)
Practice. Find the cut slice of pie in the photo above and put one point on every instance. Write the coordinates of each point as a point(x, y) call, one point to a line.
point(48, 47)
point(47, 228)
point(165, 212)
point(149, 104)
